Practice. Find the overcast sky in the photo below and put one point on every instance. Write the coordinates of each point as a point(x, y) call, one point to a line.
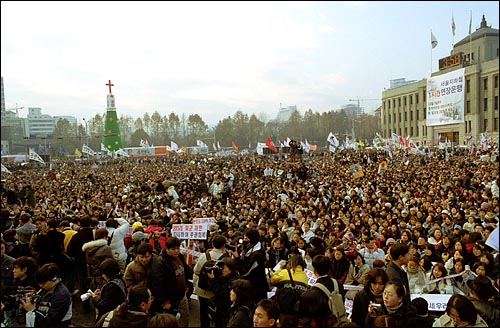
point(214, 58)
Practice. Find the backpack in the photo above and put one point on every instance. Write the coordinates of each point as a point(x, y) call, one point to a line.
point(287, 296)
point(335, 300)
point(204, 280)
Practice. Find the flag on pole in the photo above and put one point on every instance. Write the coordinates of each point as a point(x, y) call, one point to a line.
point(453, 25)
point(41, 149)
point(215, 147)
point(122, 152)
point(4, 169)
point(200, 143)
point(470, 23)
point(144, 143)
point(434, 41)
point(61, 149)
point(270, 144)
point(34, 156)
point(174, 146)
point(219, 148)
point(78, 153)
point(87, 150)
point(332, 139)
point(234, 146)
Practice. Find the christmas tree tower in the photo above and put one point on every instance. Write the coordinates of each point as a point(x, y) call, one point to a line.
point(111, 137)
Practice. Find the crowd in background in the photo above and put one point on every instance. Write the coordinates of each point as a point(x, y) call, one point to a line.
point(392, 225)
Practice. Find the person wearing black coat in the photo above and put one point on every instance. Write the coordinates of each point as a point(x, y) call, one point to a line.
point(252, 263)
point(374, 285)
point(241, 311)
point(84, 235)
point(113, 293)
point(169, 278)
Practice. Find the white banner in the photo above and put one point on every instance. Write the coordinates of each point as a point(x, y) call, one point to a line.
point(445, 98)
point(437, 302)
point(189, 231)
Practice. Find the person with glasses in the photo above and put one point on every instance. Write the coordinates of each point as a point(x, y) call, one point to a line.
point(460, 312)
point(54, 308)
point(134, 312)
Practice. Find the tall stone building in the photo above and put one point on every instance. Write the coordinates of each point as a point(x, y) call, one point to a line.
point(471, 74)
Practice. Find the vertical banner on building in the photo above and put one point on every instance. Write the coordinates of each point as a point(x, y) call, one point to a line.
point(445, 98)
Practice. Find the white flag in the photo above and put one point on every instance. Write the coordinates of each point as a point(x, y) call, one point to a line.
point(174, 146)
point(144, 143)
point(87, 150)
point(34, 156)
point(218, 146)
point(4, 169)
point(121, 152)
point(332, 139)
point(434, 41)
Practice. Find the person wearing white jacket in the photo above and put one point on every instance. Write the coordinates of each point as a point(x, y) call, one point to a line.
point(117, 229)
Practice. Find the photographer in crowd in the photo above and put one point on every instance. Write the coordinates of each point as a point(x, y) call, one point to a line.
point(216, 253)
point(54, 308)
point(221, 287)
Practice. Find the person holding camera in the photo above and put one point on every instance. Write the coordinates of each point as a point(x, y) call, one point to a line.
point(395, 305)
point(221, 286)
point(251, 262)
point(216, 253)
point(54, 307)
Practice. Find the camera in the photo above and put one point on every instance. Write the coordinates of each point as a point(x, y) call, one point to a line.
point(216, 268)
point(13, 295)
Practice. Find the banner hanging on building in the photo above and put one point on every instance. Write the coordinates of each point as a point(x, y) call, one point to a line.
point(445, 98)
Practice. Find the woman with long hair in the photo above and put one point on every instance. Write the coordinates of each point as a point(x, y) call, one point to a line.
point(441, 286)
point(340, 265)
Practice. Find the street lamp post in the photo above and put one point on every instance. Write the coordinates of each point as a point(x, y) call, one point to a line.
point(86, 131)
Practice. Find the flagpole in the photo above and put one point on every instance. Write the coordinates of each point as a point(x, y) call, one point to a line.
point(430, 73)
point(470, 38)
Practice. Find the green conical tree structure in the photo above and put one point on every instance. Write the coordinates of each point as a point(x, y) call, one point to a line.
point(111, 137)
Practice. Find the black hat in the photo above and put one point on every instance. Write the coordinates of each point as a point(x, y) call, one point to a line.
point(482, 286)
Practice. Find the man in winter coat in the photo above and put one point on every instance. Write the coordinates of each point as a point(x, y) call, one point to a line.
point(170, 280)
point(218, 251)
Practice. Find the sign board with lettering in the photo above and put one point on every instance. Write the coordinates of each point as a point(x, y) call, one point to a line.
point(189, 231)
point(437, 302)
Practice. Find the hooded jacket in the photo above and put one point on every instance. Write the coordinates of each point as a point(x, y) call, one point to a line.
point(96, 251)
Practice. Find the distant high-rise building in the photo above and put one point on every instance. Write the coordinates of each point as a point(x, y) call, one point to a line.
point(396, 83)
point(353, 110)
point(285, 113)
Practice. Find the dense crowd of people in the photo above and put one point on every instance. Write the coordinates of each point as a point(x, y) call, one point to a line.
point(374, 230)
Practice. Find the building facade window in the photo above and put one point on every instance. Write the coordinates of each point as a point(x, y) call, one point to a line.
point(467, 86)
point(485, 104)
point(495, 103)
point(485, 83)
point(495, 124)
point(416, 98)
point(467, 107)
point(417, 115)
point(495, 81)
point(485, 125)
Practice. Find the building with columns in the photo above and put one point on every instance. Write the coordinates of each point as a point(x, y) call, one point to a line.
point(405, 109)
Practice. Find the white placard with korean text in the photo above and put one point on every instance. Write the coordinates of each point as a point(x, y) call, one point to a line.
point(189, 231)
point(445, 98)
point(437, 302)
point(205, 221)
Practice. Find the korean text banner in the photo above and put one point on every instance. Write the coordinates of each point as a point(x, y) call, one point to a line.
point(445, 98)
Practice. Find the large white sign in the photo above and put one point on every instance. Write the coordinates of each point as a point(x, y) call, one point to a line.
point(445, 98)
point(189, 231)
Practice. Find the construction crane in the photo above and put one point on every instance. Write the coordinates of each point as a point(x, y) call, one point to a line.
point(366, 99)
point(16, 109)
point(359, 110)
